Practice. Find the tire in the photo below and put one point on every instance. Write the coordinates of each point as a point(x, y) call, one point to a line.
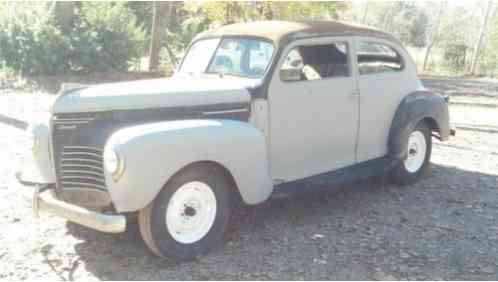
point(190, 215)
point(417, 163)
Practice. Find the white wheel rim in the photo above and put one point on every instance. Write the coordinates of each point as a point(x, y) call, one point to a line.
point(417, 148)
point(191, 212)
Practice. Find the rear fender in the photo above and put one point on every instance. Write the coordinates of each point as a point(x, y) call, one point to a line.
point(413, 108)
point(154, 152)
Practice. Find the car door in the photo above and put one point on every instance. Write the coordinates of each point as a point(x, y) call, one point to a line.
point(313, 109)
point(385, 76)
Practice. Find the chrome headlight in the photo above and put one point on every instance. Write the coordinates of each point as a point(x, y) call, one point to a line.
point(114, 162)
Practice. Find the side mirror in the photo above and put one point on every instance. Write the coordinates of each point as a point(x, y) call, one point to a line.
point(293, 74)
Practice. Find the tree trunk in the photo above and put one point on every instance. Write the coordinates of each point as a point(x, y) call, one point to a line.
point(364, 20)
point(227, 13)
point(435, 34)
point(267, 11)
point(161, 11)
point(477, 48)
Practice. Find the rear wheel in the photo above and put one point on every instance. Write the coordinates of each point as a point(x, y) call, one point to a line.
point(190, 215)
point(416, 164)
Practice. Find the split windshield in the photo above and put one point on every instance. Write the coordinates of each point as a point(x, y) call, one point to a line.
point(228, 56)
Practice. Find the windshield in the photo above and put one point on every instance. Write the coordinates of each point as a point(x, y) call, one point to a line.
point(231, 56)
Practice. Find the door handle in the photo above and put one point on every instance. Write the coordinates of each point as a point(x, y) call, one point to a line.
point(354, 94)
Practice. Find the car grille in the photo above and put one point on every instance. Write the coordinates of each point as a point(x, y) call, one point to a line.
point(78, 153)
point(82, 167)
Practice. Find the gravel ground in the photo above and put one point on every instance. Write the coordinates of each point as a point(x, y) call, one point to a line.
point(444, 227)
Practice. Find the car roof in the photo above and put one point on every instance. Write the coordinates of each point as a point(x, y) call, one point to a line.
point(281, 32)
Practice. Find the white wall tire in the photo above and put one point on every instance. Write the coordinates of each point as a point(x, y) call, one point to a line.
point(416, 164)
point(190, 215)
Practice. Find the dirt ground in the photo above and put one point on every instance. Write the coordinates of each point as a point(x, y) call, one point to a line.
point(444, 227)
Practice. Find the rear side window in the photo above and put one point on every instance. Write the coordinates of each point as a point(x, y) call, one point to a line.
point(374, 57)
point(316, 62)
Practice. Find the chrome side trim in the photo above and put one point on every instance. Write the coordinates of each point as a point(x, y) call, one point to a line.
point(75, 119)
point(243, 110)
point(70, 122)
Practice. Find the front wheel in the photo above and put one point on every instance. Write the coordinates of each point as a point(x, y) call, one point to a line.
point(416, 164)
point(190, 215)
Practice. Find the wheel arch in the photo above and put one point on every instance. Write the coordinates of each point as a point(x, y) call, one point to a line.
point(418, 106)
point(226, 172)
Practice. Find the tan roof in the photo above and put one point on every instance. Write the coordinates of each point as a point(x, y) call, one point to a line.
point(279, 31)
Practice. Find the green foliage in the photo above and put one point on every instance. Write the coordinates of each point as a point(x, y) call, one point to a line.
point(104, 36)
point(318, 10)
point(30, 43)
point(405, 20)
point(230, 12)
point(143, 13)
point(455, 56)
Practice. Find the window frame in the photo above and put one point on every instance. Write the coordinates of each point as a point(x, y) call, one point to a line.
point(223, 37)
point(314, 42)
point(379, 42)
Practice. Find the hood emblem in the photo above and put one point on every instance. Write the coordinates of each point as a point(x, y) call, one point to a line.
point(67, 127)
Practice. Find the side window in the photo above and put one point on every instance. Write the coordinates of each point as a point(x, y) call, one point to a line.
point(316, 62)
point(376, 57)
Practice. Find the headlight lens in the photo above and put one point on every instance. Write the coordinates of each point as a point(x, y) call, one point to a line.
point(111, 160)
point(114, 162)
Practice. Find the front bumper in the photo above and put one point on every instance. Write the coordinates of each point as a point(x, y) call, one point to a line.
point(43, 201)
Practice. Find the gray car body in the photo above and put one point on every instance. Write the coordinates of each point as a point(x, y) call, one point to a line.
point(164, 125)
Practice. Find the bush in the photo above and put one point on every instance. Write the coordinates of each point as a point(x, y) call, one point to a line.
point(107, 38)
point(31, 44)
point(104, 36)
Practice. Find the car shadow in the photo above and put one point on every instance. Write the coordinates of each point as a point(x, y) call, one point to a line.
point(125, 256)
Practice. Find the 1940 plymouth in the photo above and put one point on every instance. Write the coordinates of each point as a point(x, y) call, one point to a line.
point(253, 109)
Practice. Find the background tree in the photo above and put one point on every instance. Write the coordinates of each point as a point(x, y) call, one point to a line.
point(61, 37)
point(434, 35)
point(481, 37)
point(161, 13)
point(65, 14)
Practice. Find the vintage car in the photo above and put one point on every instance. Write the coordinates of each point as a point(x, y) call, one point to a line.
point(254, 109)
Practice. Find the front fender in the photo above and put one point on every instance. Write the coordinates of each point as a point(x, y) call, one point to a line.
point(154, 152)
point(413, 108)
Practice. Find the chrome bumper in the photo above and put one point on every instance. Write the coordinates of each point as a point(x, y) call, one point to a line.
point(91, 219)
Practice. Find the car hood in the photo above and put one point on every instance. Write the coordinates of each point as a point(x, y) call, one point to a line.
point(155, 93)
